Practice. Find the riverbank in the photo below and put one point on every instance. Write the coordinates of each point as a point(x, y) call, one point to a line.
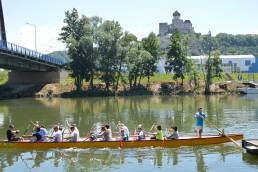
point(69, 90)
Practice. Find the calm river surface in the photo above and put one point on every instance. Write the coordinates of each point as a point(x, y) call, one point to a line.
point(233, 113)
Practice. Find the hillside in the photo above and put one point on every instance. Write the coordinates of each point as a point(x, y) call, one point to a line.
point(226, 44)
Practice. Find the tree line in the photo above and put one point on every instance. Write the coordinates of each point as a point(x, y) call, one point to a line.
point(100, 47)
point(227, 44)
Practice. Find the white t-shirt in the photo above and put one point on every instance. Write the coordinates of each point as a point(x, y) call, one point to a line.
point(126, 130)
point(75, 136)
point(76, 129)
point(58, 136)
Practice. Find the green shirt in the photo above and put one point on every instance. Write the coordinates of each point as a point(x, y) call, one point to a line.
point(159, 135)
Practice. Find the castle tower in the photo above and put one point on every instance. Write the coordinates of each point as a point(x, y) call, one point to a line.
point(165, 29)
point(177, 22)
point(187, 27)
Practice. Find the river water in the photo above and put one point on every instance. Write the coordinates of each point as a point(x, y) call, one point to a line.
point(233, 113)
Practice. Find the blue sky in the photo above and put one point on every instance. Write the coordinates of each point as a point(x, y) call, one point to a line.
point(139, 17)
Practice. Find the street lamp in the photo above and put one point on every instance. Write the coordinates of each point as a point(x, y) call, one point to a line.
point(35, 27)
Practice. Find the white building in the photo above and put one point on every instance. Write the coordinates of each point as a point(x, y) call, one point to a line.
point(229, 63)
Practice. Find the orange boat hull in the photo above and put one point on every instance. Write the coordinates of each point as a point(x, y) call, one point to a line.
point(184, 141)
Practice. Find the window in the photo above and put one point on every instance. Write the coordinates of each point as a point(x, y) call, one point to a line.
point(247, 62)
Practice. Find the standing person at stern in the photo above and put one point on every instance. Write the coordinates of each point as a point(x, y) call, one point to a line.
point(199, 116)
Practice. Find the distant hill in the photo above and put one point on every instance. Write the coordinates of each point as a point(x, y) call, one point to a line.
point(62, 55)
point(227, 44)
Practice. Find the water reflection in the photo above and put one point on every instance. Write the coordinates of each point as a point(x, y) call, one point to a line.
point(97, 159)
point(250, 159)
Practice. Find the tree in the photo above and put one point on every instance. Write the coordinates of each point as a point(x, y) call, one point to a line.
point(194, 74)
point(71, 34)
point(124, 46)
point(177, 55)
point(135, 64)
point(150, 44)
point(213, 69)
point(109, 34)
point(212, 64)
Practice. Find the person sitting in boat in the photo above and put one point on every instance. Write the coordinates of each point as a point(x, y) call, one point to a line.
point(125, 128)
point(106, 133)
point(75, 128)
point(57, 135)
point(124, 136)
point(43, 131)
point(140, 133)
point(74, 135)
point(174, 133)
point(158, 135)
point(38, 136)
point(92, 136)
point(11, 134)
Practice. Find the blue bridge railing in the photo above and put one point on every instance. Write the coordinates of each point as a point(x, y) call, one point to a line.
point(25, 51)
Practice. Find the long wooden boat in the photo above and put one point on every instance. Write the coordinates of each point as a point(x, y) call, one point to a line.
point(251, 146)
point(131, 143)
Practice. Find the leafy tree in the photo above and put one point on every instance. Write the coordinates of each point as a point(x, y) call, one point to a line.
point(135, 65)
point(150, 44)
point(124, 46)
point(80, 36)
point(212, 64)
point(194, 75)
point(177, 56)
point(213, 69)
point(108, 37)
point(72, 34)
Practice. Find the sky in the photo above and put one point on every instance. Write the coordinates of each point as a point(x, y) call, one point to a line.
point(139, 17)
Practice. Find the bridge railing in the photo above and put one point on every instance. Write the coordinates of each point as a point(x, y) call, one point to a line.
point(25, 51)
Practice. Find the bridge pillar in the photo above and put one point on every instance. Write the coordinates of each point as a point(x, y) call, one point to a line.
point(17, 77)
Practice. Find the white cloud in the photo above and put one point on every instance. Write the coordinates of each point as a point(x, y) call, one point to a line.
point(45, 37)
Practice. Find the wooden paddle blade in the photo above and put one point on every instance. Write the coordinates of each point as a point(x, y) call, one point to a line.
point(235, 142)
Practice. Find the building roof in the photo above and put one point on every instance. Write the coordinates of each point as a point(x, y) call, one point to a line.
point(225, 57)
point(187, 21)
point(176, 13)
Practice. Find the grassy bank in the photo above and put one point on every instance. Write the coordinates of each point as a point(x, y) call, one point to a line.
point(3, 77)
point(157, 78)
point(159, 84)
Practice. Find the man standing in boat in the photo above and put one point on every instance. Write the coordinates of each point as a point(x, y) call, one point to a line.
point(199, 122)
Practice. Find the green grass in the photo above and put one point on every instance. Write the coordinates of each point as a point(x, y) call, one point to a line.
point(159, 78)
point(3, 77)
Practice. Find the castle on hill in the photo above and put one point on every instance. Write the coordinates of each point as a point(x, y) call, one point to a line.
point(165, 29)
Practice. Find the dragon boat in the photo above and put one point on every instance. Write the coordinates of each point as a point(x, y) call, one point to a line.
point(131, 143)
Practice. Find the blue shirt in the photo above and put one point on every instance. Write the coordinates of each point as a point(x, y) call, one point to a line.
point(38, 135)
point(124, 136)
point(199, 120)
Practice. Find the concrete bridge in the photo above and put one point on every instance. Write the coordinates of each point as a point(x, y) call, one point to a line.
point(27, 66)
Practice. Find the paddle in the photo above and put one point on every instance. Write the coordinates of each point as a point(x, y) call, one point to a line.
point(222, 132)
point(151, 127)
point(89, 132)
point(26, 129)
point(34, 125)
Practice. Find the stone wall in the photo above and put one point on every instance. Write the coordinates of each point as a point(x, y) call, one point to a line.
point(17, 77)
